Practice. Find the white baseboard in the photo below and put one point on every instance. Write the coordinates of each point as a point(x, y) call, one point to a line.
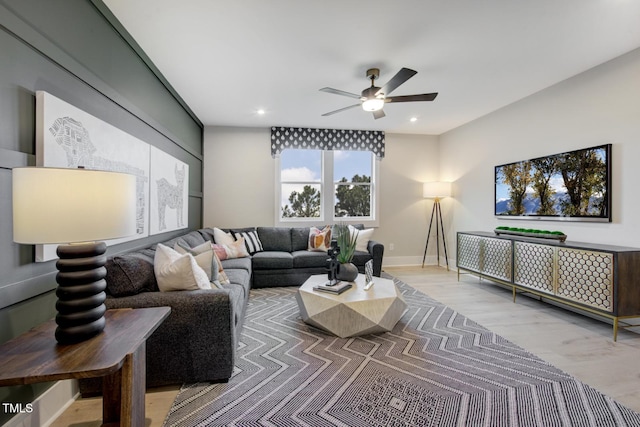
point(48, 406)
point(412, 261)
point(401, 261)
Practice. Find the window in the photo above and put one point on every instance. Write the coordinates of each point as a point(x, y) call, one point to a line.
point(301, 184)
point(352, 172)
point(326, 186)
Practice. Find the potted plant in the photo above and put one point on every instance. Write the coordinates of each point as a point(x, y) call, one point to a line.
point(347, 244)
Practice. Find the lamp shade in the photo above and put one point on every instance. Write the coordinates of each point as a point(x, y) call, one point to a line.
point(433, 190)
point(55, 205)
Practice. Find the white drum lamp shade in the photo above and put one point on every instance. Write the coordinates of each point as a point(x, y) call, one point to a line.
point(79, 207)
point(53, 205)
point(436, 190)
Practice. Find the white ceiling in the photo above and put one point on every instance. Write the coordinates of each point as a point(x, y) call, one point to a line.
point(229, 58)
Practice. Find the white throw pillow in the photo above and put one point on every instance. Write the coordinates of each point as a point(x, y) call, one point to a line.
point(222, 238)
point(178, 272)
point(205, 257)
point(362, 241)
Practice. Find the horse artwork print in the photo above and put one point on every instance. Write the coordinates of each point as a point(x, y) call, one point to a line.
point(171, 196)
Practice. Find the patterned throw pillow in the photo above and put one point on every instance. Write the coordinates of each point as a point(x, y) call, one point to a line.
point(220, 250)
point(251, 240)
point(319, 240)
point(236, 249)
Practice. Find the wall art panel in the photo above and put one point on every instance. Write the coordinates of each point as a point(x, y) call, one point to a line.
point(68, 137)
point(169, 193)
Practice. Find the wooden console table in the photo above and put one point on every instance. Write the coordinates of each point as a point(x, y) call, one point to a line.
point(117, 354)
point(598, 279)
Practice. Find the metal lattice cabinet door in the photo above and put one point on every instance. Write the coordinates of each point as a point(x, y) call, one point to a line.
point(534, 266)
point(586, 277)
point(468, 256)
point(496, 258)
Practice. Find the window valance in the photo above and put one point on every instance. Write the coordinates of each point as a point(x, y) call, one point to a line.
point(326, 139)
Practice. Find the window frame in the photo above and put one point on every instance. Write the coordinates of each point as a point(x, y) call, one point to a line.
point(327, 203)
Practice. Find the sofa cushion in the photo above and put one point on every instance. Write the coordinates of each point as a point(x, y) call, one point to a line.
point(239, 277)
point(272, 259)
point(207, 233)
point(275, 238)
point(306, 259)
point(237, 263)
point(299, 238)
point(189, 240)
point(130, 274)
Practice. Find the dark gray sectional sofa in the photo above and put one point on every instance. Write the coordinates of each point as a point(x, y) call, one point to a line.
point(198, 341)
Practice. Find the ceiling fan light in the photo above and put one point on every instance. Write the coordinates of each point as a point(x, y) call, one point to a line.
point(373, 104)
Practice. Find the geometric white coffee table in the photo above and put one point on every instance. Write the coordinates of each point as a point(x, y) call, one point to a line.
point(353, 312)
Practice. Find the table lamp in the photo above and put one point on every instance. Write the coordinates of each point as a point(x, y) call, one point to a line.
point(75, 208)
point(436, 191)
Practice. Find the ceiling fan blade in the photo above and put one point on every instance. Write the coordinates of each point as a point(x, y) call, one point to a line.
point(378, 114)
point(340, 92)
point(401, 76)
point(411, 98)
point(340, 110)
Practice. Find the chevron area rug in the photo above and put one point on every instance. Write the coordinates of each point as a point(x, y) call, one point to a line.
point(436, 368)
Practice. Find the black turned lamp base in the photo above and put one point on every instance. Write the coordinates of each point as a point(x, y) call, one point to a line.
point(80, 291)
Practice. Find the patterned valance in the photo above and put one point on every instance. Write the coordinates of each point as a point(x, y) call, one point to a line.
point(326, 139)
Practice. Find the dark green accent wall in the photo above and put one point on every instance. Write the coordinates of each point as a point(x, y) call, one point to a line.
point(77, 51)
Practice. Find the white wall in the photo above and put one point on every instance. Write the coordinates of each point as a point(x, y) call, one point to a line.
point(238, 177)
point(409, 161)
point(239, 186)
point(597, 107)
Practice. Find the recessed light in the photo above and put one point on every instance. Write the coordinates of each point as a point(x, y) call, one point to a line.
point(413, 119)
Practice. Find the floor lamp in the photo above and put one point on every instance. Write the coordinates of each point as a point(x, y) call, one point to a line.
point(75, 207)
point(436, 191)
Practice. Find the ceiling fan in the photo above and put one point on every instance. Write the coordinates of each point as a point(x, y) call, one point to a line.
point(373, 98)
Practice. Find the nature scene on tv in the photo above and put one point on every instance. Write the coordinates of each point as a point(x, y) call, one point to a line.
point(573, 184)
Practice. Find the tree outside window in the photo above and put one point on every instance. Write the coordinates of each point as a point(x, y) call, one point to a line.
point(304, 174)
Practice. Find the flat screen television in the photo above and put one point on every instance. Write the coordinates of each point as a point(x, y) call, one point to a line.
point(573, 186)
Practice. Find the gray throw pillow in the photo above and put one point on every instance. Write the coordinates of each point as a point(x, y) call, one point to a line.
point(129, 275)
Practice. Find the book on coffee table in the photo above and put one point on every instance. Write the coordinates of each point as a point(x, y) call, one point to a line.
point(338, 288)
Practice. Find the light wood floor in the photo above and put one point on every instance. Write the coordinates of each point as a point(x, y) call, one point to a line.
point(575, 343)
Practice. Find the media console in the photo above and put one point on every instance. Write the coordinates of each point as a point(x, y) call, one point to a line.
point(600, 279)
